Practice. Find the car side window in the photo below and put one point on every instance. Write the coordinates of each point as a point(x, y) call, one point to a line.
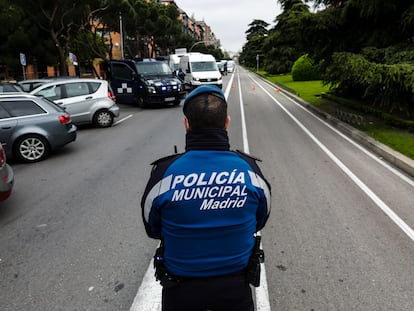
point(52, 92)
point(3, 113)
point(21, 108)
point(7, 88)
point(77, 89)
point(26, 87)
point(121, 71)
point(94, 86)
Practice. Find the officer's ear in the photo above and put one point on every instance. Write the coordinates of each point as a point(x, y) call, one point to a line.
point(227, 124)
point(186, 124)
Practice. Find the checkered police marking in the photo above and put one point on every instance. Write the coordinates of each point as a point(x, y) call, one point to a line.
point(124, 89)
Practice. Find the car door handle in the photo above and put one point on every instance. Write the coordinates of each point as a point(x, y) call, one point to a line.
point(89, 97)
point(6, 127)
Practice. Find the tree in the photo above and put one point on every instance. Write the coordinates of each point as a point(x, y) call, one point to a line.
point(284, 45)
point(165, 28)
point(61, 20)
point(257, 28)
point(19, 35)
point(255, 35)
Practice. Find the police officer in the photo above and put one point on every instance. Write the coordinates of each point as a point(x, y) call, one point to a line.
point(205, 205)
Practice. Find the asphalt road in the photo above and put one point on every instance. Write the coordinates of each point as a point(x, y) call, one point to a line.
point(339, 237)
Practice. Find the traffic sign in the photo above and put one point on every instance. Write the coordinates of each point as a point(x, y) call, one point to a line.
point(22, 59)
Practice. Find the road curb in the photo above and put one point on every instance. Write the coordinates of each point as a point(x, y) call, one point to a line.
point(397, 159)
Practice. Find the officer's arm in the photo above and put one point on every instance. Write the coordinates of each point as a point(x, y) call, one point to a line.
point(262, 214)
point(264, 188)
point(150, 212)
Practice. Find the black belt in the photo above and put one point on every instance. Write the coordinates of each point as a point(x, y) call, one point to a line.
point(196, 278)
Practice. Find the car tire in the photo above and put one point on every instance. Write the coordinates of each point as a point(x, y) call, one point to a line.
point(141, 102)
point(31, 148)
point(103, 118)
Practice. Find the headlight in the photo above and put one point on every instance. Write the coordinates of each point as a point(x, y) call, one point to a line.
point(151, 89)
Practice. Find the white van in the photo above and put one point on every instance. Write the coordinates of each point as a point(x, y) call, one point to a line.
point(174, 62)
point(200, 69)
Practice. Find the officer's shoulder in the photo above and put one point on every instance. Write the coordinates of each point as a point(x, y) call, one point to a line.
point(246, 155)
point(168, 158)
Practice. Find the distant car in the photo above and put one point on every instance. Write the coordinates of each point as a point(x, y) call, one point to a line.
point(31, 84)
point(231, 66)
point(32, 127)
point(220, 66)
point(10, 87)
point(88, 101)
point(6, 176)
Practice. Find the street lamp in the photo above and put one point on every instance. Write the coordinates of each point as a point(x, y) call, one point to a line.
point(197, 43)
point(121, 33)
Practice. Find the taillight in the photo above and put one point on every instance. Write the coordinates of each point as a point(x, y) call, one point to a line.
point(111, 95)
point(2, 157)
point(64, 118)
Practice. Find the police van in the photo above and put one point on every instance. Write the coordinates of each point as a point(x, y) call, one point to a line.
point(145, 82)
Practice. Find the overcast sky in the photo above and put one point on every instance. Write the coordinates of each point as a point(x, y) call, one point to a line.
point(229, 19)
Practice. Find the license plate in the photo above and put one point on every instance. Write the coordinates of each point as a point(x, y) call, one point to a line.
point(169, 99)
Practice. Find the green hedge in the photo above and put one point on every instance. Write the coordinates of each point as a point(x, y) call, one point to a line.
point(388, 87)
point(304, 69)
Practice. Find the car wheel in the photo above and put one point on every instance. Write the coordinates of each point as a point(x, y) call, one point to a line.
point(103, 118)
point(31, 148)
point(141, 102)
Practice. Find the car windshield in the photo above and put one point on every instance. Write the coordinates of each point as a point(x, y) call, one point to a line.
point(204, 66)
point(153, 68)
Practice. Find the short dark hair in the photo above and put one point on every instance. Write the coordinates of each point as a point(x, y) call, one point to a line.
point(206, 110)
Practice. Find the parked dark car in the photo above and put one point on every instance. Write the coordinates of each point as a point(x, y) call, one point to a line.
point(6, 176)
point(31, 127)
point(10, 87)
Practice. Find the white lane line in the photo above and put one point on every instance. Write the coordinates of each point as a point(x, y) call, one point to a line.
point(123, 119)
point(361, 148)
point(148, 297)
point(384, 207)
point(243, 119)
point(261, 292)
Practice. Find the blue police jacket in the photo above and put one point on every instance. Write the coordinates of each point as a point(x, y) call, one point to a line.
point(206, 205)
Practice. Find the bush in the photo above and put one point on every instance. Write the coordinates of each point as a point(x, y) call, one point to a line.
point(388, 87)
point(304, 69)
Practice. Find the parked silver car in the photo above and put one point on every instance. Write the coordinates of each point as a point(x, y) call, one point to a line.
point(86, 100)
point(6, 176)
point(30, 84)
point(31, 127)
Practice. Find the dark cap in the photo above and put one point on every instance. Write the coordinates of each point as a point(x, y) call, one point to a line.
point(204, 89)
